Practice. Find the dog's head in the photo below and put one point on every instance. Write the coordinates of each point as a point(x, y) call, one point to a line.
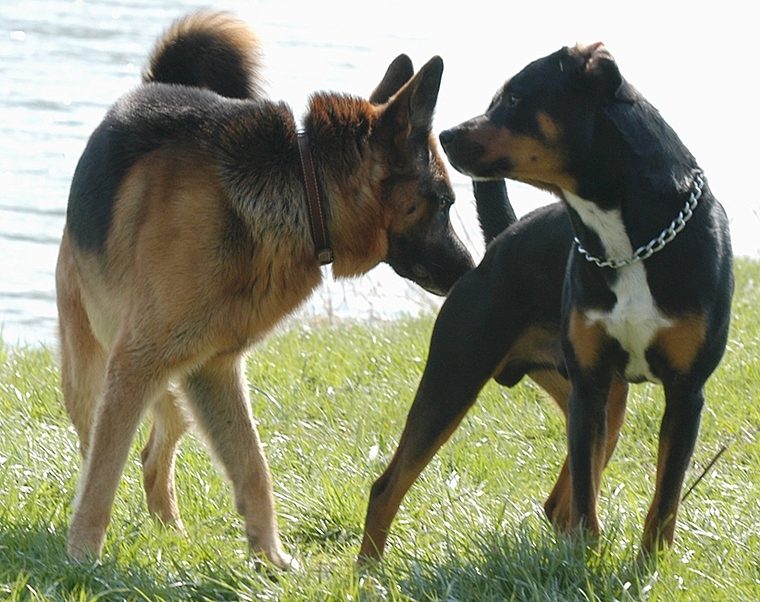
point(422, 244)
point(541, 121)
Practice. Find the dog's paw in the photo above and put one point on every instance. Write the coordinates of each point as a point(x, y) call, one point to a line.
point(267, 560)
point(82, 552)
point(558, 514)
point(272, 566)
point(286, 562)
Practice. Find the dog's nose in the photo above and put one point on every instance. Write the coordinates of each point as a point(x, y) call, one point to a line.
point(446, 136)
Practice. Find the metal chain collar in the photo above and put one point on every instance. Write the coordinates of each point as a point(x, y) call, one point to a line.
point(656, 244)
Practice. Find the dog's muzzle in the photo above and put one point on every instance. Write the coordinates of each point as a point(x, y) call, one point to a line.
point(461, 150)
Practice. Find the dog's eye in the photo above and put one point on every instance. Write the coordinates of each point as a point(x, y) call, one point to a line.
point(513, 100)
point(444, 204)
point(411, 210)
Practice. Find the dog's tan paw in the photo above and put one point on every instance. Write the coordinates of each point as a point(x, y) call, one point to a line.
point(82, 553)
point(283, 561)
point(290, 564)
point(85, 545)
point(274, 564)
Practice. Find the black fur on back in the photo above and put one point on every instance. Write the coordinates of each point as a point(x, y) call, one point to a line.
point(200, 59)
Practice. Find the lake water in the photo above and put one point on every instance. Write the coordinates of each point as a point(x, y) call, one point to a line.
point(62, 64)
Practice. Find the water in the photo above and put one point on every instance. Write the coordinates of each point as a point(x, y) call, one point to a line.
point(63, 63)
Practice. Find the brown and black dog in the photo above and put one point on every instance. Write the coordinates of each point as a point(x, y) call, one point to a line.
point(188, 238)
point(628, 279)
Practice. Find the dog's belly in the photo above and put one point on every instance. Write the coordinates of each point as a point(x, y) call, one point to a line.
point(634, 319)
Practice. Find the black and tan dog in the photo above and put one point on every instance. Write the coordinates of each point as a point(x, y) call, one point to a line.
point(188, 238)
point(643, 293)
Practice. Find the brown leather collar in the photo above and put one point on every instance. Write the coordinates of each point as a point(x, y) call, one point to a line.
point(317, 220)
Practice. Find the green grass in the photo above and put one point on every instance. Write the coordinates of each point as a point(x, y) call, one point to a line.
point(331, 401)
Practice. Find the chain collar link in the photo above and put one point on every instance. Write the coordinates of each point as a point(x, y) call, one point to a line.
point(656, 244)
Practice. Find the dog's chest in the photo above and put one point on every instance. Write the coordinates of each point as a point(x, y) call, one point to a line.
point(635, 319)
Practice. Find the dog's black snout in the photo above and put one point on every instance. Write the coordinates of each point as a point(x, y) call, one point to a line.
point(447, 136)
point(462, 151)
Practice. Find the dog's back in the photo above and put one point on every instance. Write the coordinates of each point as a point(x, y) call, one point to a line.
point(200, 58)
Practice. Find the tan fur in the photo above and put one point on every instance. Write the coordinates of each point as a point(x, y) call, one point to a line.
point(660, 522)
point(587, 338)
point(550, 130)
point(533, 161)
point(203, 254)
point(538, 343)
point(682, 341)
point(151, 319)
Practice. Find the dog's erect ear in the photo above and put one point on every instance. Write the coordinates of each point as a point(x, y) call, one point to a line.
point(424, 94)
point(600, 74)
point(399, 72)
point(413, 107)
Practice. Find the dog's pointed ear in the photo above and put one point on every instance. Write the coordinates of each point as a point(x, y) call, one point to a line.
point(600, 74)
point(399, 72)
point(423, 96)
point(413, 107)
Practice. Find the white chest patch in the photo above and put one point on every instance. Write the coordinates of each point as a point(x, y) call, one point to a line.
point(634, 319)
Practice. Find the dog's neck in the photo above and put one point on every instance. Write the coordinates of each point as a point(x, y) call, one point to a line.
point(317, 219)
point(339, 128)
point(609, 227)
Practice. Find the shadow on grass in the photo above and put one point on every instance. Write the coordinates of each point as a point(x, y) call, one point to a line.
point(34, 565)
point(529, 565)
point(525, 565)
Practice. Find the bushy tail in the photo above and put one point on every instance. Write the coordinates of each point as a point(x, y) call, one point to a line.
point(495, 212)
point(212, 50)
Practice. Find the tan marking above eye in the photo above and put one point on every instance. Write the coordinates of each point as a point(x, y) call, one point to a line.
point(548, 127)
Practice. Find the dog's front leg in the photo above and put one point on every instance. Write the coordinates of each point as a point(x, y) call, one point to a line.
point(678, 435)
point(586, 346)
point(586, 437)
point(218, 395)
point(557, 505)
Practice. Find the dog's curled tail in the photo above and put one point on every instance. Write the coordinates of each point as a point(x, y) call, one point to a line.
point(495, 212)
point(212, 50)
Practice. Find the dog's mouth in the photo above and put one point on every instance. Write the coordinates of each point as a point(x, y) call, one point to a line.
point(434, 259)
point(433, 277)
point(460, 149)
point(422, 277)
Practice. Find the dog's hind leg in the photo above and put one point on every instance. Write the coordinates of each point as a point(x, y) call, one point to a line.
point(83, 358)
point(557, 505)
point(158, 458)
point(218, 396)
point(678, 435)
point(133, 378)
point(466, 348)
